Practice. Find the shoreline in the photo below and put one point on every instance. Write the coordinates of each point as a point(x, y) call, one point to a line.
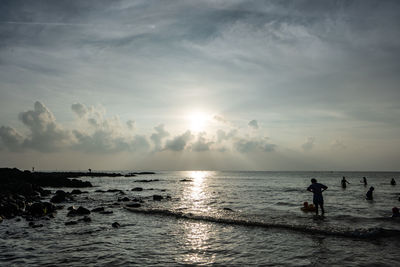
point(22, 193)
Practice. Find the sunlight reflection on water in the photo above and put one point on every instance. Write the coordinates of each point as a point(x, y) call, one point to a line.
point(197, 237)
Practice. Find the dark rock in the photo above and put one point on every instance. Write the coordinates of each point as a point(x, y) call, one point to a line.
point(59, 207)
point(137, 189)
point(157, 197)
point(130, 175)
point(98, 209)
point(186, 180)
point(59, 197)
point(71, 223)
point(147, 181)
point(123, 199)
point(71, 208)
point(115, 225)
point(41, 208)
point(116, 204)
point(78, 212)
point(76, 192)
point(113, 190)
point(106, 212)
point(133, 205)
point(143, 173)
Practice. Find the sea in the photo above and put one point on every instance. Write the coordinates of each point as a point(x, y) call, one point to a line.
point(217, 218)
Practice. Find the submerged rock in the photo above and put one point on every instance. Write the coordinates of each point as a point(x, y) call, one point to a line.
point(157, 197)
point(85, 219)
point(98, 209)
point(106, 212)
point(115, 225)
point(137, 189)
point(147, 181)
point(123, 199)
point(71, 223)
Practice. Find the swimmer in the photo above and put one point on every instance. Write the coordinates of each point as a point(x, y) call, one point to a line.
point(344, 181)
point(393, 182)
point(364, 180)
point(395, 212)
point(369, 193)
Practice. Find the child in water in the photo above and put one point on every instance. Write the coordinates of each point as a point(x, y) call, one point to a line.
point(308, 207)
point(369, 193)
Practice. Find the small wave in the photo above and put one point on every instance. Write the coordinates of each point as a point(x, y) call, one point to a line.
point(356, 233)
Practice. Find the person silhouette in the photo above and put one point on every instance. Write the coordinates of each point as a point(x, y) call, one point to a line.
point(317, 189)
point(369, 193)
point(393, 182)
point(344, 181)
point(364, 180)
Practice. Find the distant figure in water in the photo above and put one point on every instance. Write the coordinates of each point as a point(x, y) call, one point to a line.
point(317, 189)
point(344, 181)
point(90, 170)
point(33, 169)
point(395, 212)
point(364, 181)
point(369, 193)
point(306, 207)
point(393, 182)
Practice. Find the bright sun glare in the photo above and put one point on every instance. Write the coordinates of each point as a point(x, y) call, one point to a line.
point(198, 121)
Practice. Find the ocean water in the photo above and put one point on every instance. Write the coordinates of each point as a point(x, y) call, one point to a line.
point(217, 218)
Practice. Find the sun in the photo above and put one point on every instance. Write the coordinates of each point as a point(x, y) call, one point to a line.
point(198, 121)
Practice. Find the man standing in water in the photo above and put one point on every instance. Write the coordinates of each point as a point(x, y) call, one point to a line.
point(317, 190)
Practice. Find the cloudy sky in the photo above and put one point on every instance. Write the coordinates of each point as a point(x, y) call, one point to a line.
point(211, 84)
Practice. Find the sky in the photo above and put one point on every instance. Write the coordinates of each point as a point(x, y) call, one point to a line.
point(200, 85)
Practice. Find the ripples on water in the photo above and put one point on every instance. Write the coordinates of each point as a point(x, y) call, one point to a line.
point(221, 218)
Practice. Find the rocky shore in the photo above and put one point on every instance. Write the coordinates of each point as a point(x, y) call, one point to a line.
point(22, 193)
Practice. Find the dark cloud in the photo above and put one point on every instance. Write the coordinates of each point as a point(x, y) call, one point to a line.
point(131, 124)
point(10, 138)
point(201, 144)
point(248, 146)
point(79, 109)
point(253, 124)
point(179, 142)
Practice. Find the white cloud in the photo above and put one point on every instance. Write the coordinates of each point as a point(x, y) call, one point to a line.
point(158, 136)
point(309, 144)
point(45, 133)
